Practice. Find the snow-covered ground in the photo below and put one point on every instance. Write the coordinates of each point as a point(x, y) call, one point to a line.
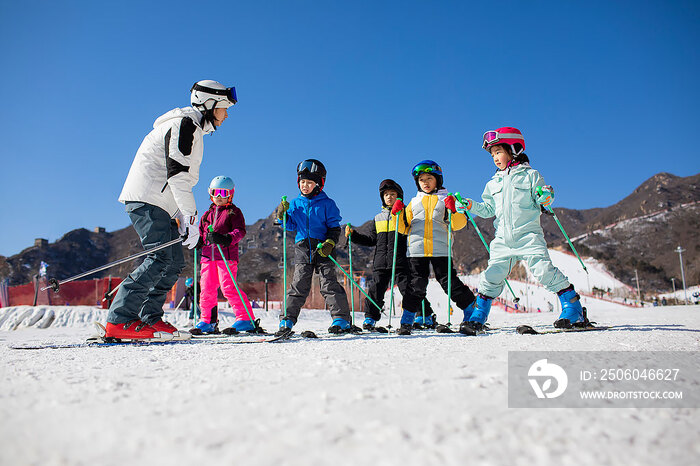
point(378, 399)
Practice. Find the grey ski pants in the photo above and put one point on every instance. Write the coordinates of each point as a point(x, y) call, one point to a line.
point(142, 293)
point(331, 290)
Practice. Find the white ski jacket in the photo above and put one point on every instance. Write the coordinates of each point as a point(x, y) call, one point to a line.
point(166, 166)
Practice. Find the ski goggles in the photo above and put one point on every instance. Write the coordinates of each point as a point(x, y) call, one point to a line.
point(217, 192)
point(309, 166)
point(492, 137)
point(427, 168)
point(229, 92)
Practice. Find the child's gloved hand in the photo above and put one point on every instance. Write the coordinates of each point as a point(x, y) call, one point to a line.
point(326, 248)
point(282, 208)
point(545, 195)
point(217, 238)
point(450, 203)
point(467, 203)
point(397, 207)
point(348, 230)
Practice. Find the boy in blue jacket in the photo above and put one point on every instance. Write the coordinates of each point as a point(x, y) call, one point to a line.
point(316, 219)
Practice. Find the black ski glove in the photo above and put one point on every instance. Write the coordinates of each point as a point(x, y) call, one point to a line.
point(217, 238)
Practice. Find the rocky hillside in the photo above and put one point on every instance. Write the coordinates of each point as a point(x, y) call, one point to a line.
point(640, 232)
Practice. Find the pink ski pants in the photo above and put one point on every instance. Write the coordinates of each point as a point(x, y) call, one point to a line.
point(215, 276)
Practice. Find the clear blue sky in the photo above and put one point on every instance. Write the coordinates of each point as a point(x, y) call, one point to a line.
point(605, 92)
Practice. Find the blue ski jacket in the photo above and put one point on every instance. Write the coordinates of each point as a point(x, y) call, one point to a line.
point(312, 218)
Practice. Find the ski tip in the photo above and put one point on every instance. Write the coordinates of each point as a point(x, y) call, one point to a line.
point(526, 330)
point(308, 334)
point(101, 329)
point(443, 329)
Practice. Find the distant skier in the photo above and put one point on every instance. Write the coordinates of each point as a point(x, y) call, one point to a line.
point(229, 229)
point(158, 195)
point(316, 219)
point(425, 219)
point(513, 197)
point(381, 236)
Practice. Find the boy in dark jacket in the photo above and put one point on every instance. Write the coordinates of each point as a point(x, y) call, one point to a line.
point(381, 235)
point(316, 219)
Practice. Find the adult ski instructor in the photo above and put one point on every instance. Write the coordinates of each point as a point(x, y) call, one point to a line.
point(159, 201)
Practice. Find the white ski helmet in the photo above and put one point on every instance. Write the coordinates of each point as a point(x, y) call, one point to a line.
point(208, 95)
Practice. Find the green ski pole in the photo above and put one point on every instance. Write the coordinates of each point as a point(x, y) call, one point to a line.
point(284, 260)
point(556, 219)
point(319, 246)
point(449, 266)
point(233, 279)
point(471, 219)
point(352, 293)
point(393, 262)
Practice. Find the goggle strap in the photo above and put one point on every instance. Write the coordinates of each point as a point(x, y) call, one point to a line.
point(500, 136)
point(229, 92)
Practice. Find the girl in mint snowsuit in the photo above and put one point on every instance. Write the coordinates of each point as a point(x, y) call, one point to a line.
point(514, 196)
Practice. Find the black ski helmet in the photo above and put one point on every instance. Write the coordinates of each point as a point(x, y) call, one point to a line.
point(312, 169)
point(388, 185)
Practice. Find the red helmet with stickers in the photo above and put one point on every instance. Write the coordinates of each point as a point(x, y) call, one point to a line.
point(506, 135)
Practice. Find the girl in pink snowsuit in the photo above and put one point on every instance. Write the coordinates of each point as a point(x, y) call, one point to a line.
point(229, 229)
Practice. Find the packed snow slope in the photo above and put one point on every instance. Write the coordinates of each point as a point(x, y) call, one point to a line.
point(372, 399)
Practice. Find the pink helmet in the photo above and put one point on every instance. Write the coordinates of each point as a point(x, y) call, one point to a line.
point(506, 135)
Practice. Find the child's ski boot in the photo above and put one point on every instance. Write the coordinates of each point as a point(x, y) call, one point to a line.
point(369, 324)
point(285, 327)
point(341, 325)
point(407, 320)
point(205, 328)
point(572, 314)
point(479, 314)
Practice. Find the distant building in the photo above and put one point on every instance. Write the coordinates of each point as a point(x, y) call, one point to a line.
point(99, 229)
point(41, 242)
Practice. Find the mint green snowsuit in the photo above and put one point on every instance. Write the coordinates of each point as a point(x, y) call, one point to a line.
point(510, 195)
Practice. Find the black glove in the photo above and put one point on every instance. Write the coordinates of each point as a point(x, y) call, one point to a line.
point(217, 238)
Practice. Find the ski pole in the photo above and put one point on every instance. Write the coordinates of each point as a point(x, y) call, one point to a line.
point(352, 293)
point(114, 290)
point(55, 284)
point(195, 303)
point(319, 246)
point(233, 279)
point(393, 261)
point(556, 219)
point(449, 265)
point(471, 219)
point(178, 304)
point(284, 260)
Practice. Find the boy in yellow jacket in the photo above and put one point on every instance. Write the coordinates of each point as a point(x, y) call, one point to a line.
point(425, 220)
